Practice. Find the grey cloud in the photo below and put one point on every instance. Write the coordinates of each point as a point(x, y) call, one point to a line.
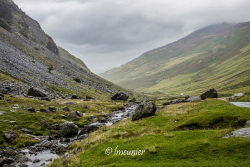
point(107, 33)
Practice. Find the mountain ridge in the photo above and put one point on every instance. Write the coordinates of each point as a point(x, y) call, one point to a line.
point(209, 45)
point(31, 57)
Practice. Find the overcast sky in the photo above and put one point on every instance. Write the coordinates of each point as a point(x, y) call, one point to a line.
point(108, 33)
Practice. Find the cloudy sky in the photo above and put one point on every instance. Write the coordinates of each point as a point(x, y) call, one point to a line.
point(108, 33)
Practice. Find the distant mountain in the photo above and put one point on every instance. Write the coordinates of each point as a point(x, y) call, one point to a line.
point(217, 56)
point(31, 58)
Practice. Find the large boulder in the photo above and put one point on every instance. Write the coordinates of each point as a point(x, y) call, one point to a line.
point(120, 96)
point(68, 129)
point(212, 93)
point(36, 93)
point(144, 109)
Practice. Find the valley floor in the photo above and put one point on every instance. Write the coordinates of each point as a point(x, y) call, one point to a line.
point(186, 134)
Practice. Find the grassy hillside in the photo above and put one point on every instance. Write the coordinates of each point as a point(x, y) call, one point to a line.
point(217, 56)
point(169, 140)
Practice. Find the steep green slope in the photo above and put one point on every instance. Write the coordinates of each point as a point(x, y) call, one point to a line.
point(216, 56)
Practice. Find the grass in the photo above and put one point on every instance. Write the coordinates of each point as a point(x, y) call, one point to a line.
point(31, 120)
point(164, 143)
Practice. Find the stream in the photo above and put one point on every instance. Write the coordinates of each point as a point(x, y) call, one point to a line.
point(36, 155)
point(241, 104)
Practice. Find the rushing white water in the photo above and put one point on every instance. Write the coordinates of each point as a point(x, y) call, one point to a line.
point(241, 104)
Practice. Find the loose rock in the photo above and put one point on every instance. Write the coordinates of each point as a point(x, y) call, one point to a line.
point(120, 96)
point(68, 129)
point(212, 93)
point(36, 93)
point(144, 109)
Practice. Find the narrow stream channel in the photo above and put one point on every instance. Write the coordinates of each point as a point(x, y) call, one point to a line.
point(45, 156)
point(241, 104)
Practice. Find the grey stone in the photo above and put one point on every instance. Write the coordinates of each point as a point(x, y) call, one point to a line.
point(36, 93)
point(24, 130)
point(212, 93)
point(144, 109)
point(68, 129)
point(120, 96)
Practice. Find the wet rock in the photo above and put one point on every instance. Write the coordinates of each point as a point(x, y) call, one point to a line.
point(10, 152)
point(73, 116)
point(212, 93)
point(6, 161)
point(52, 109)
point(46, 143)
point(243, 132)
point(27, 131)
point(60, 150)
point(193, 98)
point(36, 161)
point(23, 165)
point(21, 158)
point(120, 96)
point(65, 109)
point(92, 118)
point(36, 93)
point(31, 109)
point(74, 97)
point(144, 109)
point(68, 129)
point(10, 136)
point(7, 165)
point(80, 137)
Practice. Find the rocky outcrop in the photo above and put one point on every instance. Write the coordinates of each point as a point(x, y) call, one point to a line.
point(145, 109)
point(120, 96)
point(212, 93)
